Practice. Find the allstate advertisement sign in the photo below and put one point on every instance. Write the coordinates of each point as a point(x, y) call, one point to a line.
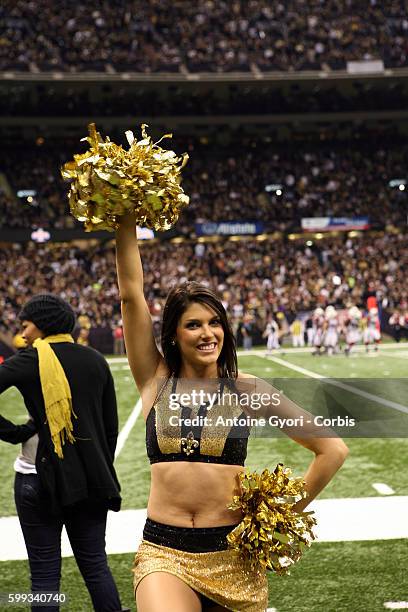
point(228, 228)
point(325, 224)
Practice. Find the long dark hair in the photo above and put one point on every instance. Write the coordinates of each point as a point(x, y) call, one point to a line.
point(178, 300)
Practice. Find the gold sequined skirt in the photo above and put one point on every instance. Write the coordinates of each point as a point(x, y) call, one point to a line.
point(220, 576)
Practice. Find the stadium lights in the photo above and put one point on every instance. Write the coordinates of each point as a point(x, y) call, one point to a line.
point(144, 233)
point(274, 188)
point(26, 193)
point(397, 183)
point(318, 236)
point(40, 235)
point(309, 243)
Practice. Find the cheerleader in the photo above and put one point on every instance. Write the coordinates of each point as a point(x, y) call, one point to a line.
point(184, 563)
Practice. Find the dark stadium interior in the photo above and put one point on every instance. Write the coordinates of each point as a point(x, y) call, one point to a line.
point(279, 125)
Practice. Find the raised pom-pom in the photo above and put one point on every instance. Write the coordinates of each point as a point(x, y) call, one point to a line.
point(108, 181)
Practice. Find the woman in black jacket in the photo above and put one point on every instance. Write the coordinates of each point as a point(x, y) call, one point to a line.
point(67, 476)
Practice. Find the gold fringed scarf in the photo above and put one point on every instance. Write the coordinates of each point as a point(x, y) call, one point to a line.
point(56, 391)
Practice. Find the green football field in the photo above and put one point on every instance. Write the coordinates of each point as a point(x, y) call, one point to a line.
point(346, 576)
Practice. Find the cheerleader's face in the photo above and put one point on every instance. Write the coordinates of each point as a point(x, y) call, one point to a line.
point(30, 332)
point(200, 335)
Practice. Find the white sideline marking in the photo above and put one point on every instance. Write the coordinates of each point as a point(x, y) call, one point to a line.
point(336, 383)
point(338, 520)
point(117, 360)
point(402, 346)
point(389, 346)
point(127, 428)
point(119, 368)
point(396, 605)
point(271, 610)
point(383, 488)
point(400, 355)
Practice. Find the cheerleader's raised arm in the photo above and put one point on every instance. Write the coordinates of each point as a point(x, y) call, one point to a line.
point(143, 355)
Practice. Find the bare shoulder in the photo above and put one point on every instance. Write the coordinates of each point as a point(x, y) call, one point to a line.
point(250, 387)
point(242, 374)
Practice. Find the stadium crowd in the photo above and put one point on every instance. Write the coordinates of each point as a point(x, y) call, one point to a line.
point(255, 278)
point(257, 181)
point(206, 35)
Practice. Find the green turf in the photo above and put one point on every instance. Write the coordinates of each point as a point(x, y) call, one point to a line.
point(335, 577)
point(332, 577)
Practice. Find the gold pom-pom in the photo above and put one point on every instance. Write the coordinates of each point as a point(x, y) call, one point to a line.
point(271, 534)
point(108, 181)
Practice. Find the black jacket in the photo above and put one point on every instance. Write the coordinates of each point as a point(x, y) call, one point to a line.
point(86, 470)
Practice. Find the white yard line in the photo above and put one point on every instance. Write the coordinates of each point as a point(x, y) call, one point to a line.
point(289, 350)
point(309, 349)
point(336, 383)
point(382, 488)
point(396, 605)
point(400, 355)
point(127, 428)
point(111, 360)
point(338, 520)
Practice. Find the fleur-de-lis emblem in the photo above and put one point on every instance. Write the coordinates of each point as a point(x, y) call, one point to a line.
point(189, 444)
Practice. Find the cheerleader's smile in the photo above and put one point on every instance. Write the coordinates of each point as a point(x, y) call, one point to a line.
point(200, 335)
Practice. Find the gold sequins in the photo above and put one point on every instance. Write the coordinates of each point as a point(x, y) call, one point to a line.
point(221, 576)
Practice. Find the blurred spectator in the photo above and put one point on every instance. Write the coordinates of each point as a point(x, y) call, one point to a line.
point(83, 337)
point(247, 331)
point(118, 340)
point(397, 324)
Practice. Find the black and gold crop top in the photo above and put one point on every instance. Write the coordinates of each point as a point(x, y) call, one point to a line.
point(216, 434)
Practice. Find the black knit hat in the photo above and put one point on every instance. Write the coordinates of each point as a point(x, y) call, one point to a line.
point(50, 313)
